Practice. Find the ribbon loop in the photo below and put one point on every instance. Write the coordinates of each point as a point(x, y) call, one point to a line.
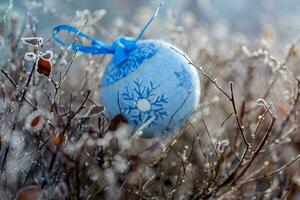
point(96, 47)
point(121, 46)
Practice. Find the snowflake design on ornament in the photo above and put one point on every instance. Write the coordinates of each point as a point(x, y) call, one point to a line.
point(141, 103)
point(184, 78)
point(136, 58)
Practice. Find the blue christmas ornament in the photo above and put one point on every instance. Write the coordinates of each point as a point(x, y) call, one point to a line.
point(149, 82)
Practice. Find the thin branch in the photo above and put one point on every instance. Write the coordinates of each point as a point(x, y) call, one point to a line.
point(236, 116)
point(258, 149)
point(272, 173)
point(209, 137)
point(200, 69)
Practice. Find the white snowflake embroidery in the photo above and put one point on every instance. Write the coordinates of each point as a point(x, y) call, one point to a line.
point(141, 103)
point(184, 78)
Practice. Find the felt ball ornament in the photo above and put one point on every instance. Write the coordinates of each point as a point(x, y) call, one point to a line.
point(149, 82)
point(154, 87)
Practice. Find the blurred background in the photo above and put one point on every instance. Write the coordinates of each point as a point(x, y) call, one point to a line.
point(249, 17)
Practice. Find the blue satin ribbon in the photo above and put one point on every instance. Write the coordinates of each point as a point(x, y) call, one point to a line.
point(120, 47)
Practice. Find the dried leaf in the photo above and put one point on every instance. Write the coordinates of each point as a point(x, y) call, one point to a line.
point(44, 66)
point(58, 139)
point(93, 111)
point(35, 121)
point(116, 122)
point(33, 41)
point(96, 110)
point(30, 193)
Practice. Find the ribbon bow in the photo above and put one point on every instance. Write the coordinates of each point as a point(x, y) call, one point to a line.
point(120, 47)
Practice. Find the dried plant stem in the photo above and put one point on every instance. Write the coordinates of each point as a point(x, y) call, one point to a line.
point(232, 100)
point(210, 139)
point(200, 69)
point(272, 173)
point(250, 180)
point(29, 78)
point(292, 111)
point(258, 149)
point(77, 111)
point(16, 87)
